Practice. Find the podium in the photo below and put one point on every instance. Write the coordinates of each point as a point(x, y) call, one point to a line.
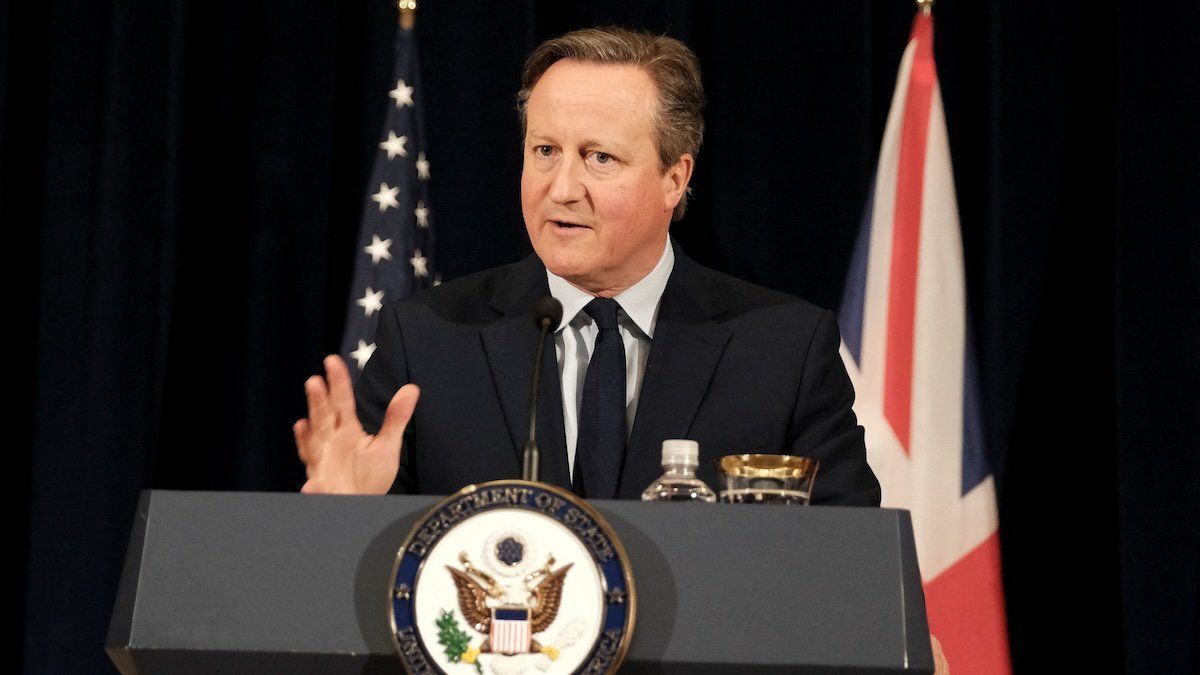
point(289, 583)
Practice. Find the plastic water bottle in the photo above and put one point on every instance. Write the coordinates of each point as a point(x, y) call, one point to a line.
point(679, 483)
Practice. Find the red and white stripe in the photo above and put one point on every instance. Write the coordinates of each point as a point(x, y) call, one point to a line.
point(510, 637)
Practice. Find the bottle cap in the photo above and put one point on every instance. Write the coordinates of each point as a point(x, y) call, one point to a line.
point(680, 451)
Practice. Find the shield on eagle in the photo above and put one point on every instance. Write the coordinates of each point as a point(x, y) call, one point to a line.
point(510, 630)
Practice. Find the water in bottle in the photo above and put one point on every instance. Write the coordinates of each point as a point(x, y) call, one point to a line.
point(679, 482)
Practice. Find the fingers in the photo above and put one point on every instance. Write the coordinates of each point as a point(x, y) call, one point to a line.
point(321, 415)
point(301, 431)
point(398, 414)
point(341, 389)
point(338, 455)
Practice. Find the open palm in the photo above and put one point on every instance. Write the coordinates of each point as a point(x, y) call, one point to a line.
point(339, 456)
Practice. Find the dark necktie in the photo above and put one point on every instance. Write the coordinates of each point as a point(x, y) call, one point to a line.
point(600, 448)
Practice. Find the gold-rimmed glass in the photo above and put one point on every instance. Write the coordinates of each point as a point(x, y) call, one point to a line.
point(767, 479)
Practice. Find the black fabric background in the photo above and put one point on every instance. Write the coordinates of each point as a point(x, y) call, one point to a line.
point(180, 185)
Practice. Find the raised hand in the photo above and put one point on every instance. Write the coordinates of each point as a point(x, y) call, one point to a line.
point(339, 457)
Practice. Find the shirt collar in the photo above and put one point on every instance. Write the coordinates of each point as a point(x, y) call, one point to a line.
point(639, 302)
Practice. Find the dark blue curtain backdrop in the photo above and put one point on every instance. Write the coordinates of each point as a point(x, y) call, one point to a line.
point(180, 185)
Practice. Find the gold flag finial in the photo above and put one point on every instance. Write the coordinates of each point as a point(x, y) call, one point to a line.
point(926, 6)
point(408, 13)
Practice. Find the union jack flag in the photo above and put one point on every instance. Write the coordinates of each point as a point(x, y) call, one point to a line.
point(908, 347)
point(395, 247)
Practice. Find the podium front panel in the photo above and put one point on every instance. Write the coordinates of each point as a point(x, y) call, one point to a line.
point(270, 582)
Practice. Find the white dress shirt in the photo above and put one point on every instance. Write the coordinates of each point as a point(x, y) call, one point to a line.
point(576, 338)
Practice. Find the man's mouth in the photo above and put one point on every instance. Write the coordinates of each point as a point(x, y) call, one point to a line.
point(565, 224)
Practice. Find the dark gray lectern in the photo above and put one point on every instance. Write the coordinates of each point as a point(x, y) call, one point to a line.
point(289, 583)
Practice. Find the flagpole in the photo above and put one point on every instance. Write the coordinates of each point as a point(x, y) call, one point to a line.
point(925, 5)
point(408, 13)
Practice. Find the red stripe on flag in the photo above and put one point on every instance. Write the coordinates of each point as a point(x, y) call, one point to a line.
point(965, 605)
point(906, 234)
point(510, 637)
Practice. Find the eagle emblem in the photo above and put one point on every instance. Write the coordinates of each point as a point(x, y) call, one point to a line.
point(478, 585)
point(509, 614)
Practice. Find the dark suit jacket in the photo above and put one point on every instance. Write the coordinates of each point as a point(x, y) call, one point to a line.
point(734, 366)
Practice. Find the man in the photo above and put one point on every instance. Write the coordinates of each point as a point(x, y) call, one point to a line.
point(651, 345)
point(612, 122)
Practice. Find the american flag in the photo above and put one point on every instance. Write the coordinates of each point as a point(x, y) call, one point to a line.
point(510, 630)
point(395, 245)
point(908, 347)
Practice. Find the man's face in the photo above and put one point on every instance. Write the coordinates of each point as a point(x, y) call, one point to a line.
point(596, 204)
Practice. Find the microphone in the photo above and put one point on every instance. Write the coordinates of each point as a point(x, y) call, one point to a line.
point(547, 312)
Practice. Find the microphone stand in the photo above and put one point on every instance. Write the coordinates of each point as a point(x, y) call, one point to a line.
point(531, 459)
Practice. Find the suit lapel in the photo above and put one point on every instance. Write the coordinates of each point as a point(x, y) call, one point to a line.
point(687, 346)
point(510, 344)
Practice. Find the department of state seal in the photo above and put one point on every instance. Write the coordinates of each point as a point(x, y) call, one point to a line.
point(512, 577)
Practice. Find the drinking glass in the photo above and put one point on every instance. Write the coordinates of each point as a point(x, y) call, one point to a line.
point(767, 479)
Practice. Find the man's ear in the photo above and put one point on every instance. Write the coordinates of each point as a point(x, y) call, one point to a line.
point(676, 178)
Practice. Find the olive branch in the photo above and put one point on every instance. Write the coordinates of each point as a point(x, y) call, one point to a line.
point(454, 638)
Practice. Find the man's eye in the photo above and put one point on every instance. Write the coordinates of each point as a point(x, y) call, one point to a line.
point(543, 151)
point(601, 159)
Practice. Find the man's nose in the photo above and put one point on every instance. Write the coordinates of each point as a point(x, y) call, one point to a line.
point(567, 185)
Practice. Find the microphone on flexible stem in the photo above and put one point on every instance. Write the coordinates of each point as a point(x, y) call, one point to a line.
point(547, 312)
